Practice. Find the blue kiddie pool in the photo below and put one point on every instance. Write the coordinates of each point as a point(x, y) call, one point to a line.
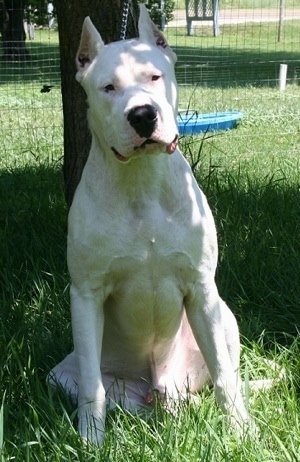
point(191, 123)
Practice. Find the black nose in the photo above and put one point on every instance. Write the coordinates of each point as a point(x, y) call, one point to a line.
point(143, 119)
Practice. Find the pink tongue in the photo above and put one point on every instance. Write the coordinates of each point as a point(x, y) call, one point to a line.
point(172, 146)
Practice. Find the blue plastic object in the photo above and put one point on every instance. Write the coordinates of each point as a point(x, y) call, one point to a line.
point(192, 123)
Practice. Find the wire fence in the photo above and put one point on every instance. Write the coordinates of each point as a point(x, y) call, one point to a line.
point(30, 101)
point(217, 69)
point(251, 45)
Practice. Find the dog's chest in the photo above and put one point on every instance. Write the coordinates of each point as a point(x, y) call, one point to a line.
point(139, 245)
point(142, 259)
point(150, 239)
point(148, 280)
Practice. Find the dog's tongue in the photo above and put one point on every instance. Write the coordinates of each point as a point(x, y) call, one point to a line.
point(172, 146)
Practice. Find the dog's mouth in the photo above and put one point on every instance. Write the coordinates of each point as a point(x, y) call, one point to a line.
point(144, 144)
point(119, 156)
point(169, 148)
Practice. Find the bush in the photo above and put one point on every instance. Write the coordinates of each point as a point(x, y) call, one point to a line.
point(155, 11)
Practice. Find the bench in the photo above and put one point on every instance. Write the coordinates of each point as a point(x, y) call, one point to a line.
point(202, 10)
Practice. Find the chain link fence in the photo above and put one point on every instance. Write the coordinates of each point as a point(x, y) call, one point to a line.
point(214, 72)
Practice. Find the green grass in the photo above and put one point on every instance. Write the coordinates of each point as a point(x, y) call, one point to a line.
point(242, 4)
point(42, 65)
point(251, 177)
point(241, 55)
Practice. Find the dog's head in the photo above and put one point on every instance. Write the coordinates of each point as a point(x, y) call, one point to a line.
point(131, 90)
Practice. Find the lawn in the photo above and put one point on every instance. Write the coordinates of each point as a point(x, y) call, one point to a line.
point(251, 178)
point(227, 4)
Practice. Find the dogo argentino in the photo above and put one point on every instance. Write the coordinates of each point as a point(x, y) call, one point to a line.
point(142, 246)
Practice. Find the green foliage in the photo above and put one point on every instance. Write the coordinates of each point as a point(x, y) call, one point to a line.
point(155, 10)
point(36, 11)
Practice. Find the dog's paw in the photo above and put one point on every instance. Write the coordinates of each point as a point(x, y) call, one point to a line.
point(91, 424)
point(240, 423)
point(243, 427)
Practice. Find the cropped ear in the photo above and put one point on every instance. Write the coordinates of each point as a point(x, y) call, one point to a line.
point(90, 45)
point(150, 33)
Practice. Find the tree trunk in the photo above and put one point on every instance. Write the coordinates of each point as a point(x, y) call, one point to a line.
point(12, 29)
point(107, 17)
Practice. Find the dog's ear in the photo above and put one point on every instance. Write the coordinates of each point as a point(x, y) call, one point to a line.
point(151, 34)
point(90, 45)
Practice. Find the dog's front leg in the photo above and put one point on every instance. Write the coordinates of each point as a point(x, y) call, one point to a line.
point(87, 324)
point(207, 317)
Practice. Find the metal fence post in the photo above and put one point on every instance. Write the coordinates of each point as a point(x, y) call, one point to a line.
point(216, 18)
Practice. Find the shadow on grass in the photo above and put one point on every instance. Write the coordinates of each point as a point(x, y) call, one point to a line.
point(32, 213)
point(258, 225)
point(227, 67)
point(35, 329)
point(33, 271)
point(41, 65)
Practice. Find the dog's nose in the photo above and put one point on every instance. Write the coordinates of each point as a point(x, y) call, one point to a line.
point(143, 119)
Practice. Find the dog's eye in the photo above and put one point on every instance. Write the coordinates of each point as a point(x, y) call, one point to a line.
point(109, 88)
point(155, 77)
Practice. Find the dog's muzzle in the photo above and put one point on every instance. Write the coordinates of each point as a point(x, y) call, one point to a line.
point(143, 120)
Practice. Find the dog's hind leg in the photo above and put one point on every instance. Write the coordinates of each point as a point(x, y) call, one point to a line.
point(129, 394)
point(65, 375)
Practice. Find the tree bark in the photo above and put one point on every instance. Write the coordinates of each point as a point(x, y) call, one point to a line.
point(107, 17)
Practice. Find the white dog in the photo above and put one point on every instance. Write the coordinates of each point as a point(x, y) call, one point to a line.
point(142, 247)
